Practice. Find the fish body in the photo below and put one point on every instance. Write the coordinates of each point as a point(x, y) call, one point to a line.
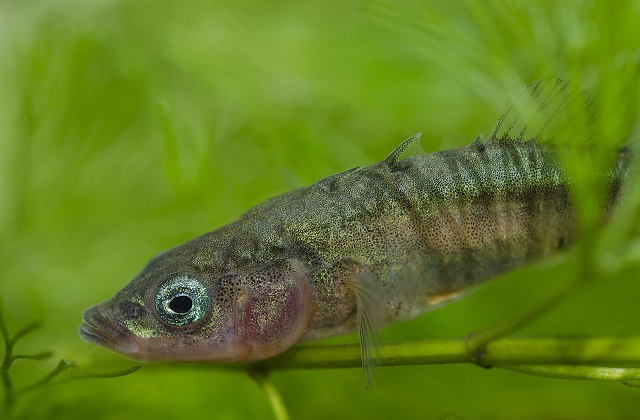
point(354, 251)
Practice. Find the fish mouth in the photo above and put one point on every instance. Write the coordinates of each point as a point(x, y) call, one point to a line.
point(93, 335)
point(97, 329)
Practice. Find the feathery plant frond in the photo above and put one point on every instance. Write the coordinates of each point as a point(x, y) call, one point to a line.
point(11, 394)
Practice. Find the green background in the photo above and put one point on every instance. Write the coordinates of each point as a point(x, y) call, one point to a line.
point(127, 127)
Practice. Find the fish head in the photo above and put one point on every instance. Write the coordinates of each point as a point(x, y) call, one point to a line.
point(178, 312)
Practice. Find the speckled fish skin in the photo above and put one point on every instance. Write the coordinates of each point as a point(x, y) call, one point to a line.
point(412, 231)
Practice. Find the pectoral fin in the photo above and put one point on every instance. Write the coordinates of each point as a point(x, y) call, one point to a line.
point(370, 318)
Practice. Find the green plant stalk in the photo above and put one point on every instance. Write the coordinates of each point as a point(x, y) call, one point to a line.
point(594, 373)
point(10, 393)
point(476, 342)
point(590, 354)
point(270, 390)
point(7, 361)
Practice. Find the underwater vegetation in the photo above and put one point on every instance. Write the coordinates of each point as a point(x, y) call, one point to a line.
point(11, 395)
point(129, 127)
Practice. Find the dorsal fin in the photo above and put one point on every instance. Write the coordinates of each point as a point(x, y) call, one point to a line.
point(409, 147)
point(548, 110)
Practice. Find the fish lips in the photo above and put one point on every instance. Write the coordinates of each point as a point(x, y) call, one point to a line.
point(97, 329)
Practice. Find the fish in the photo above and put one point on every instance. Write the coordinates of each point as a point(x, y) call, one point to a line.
point(363, 248)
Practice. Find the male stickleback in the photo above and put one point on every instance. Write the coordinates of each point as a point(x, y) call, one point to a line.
point(365, 247)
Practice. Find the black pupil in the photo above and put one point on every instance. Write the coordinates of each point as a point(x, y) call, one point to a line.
point(181, 304)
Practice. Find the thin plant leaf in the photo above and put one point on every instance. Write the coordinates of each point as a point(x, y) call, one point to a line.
point(62, 366)
point(109, 374)
point(38, 356)
point(631, 384)
point(26, 330)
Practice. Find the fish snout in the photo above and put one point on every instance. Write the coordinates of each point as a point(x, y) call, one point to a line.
point(98, 329)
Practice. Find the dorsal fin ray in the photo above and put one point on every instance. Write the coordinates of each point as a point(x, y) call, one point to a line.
point(409, 147)
point(547, 111)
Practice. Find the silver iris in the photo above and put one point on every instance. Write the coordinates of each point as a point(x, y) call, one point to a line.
point(182, 301)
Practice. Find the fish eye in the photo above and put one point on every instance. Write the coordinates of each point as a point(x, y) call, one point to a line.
point(182, 301)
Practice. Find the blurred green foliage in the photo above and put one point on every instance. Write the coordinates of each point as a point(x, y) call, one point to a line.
point(127, 127)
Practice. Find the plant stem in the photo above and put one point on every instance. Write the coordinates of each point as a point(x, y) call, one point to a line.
point(595, 373)
point(10, 394)
point(507, 352)
point(275, 400)
point(7, 361)
point(476, 342)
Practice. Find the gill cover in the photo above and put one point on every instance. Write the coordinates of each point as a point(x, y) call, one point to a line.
point(270, 308)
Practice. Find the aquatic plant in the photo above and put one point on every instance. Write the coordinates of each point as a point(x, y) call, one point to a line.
point(11, 394)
